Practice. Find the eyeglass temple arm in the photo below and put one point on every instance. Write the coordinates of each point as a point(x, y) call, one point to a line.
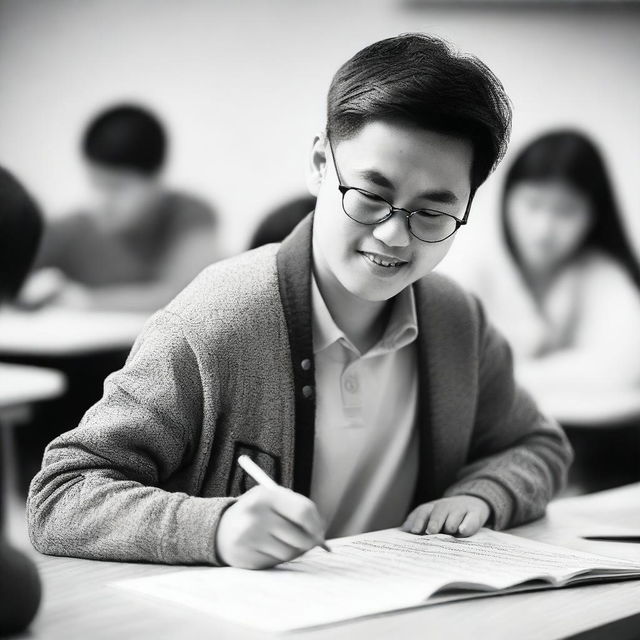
point(465, 217)
point(335, 164)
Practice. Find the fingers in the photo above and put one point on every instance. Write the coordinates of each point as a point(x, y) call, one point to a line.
point(291, 535)
point(407, 525)
point(272, 541)
point(258, 560)
point(298, 510)
point(460, 515)
point(470, 524)
point(437, 518)
point(253, 534)
point(273, 546)
point(418, 518)
point(453, 521)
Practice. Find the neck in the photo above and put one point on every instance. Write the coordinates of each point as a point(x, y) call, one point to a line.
point(140, 218)
point(362, 321)
point(541, 280)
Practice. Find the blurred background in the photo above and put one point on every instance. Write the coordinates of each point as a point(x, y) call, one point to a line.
point(240, 90)
point(241, 86)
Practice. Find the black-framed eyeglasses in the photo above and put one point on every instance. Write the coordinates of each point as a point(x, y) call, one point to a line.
point(366, 207)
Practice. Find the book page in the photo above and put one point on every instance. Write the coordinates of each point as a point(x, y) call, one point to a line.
point(367, 574)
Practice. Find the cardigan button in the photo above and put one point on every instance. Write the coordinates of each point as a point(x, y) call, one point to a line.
point(306, 364)
point(307, 391)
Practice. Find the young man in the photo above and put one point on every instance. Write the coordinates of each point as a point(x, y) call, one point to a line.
point(373, 391)
point(138, 244)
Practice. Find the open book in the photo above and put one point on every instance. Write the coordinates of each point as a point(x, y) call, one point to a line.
point(379, 572)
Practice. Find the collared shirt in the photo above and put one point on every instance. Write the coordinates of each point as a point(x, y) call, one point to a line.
point(365, 453)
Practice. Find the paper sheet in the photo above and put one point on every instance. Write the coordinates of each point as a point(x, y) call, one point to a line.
point(366, 574)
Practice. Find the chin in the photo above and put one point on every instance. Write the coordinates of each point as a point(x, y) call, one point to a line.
point(374, 291)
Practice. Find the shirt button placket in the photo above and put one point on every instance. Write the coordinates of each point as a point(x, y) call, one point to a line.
point(350, 387)
point(307, 390)
point(351, 384)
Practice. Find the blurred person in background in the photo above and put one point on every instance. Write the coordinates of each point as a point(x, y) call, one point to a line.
point(566, 289)
point(139, 243)
point(20, 231)
point(565, 286)
point(280, 222)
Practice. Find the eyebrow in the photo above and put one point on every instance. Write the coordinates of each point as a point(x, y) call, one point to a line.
point(442, 196)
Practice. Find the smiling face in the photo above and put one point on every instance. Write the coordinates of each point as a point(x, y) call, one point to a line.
point(408, 167)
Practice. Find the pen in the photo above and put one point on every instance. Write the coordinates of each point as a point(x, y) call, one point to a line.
point(263, 479)
point(614, 538)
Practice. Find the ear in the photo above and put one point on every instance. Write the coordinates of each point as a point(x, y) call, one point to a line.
point(317, 163)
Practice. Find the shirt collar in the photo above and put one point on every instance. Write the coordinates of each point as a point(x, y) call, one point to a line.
point(402, 328)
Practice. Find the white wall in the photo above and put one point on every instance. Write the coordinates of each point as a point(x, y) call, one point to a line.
point(242, 85)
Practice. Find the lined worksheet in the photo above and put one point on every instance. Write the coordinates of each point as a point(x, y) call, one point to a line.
point(373, 573)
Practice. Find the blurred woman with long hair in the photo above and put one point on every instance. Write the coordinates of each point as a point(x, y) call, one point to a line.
point(564, 287)
point(563, 231)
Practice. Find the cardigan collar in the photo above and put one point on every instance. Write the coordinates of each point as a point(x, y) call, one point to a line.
point(294, 279)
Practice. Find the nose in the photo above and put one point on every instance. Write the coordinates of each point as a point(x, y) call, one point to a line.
point(393, 232)
point(544, 225)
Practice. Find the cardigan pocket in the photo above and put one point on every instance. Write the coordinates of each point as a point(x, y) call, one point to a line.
point(239, 480)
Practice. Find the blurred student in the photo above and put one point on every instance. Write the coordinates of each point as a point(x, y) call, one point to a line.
point(20, 231)
point(565, 286)
point(278, 224)
point(373, 391)
point(139, 243)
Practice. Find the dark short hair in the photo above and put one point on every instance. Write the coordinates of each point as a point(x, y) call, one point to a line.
point(570, 157)
point(20, 232)
point(421, 80)
point(126, 137)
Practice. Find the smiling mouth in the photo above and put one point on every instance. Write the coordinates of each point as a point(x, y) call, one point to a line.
point(383, 261)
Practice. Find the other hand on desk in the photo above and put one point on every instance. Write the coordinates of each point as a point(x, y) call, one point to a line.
point(458, 515)
point(50, 286)
point(267, 526)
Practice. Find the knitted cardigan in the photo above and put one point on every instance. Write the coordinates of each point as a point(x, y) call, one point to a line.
point(227, 368)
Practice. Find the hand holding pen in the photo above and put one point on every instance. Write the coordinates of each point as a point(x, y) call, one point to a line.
point(268, 524)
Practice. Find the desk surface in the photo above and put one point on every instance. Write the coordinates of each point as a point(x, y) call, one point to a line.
point(63, 332)
point(20, 384)
point(599, 410)
point(80, 603)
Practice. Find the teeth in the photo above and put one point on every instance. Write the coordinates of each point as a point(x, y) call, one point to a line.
point(379, 261)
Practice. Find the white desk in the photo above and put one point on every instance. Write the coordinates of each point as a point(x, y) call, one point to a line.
point(599, 410)
point(65, 332)
point(79, 602)
point(20, 384)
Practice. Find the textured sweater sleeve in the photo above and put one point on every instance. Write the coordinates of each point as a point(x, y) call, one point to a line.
point(518, 457)
point(98, 494)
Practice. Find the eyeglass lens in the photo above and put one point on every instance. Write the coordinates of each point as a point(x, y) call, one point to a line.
point(369, 209)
